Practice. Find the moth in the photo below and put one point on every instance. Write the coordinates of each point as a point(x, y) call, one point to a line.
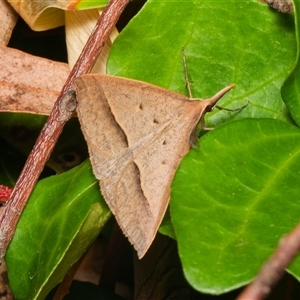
point(137, 134)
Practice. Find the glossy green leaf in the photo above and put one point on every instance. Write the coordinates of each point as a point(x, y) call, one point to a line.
point(166, 226)
point(233, 199)
point(63, 216)
point(241, 42)
point(291, 87)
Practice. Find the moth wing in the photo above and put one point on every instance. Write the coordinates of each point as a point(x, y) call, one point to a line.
point(137, 135)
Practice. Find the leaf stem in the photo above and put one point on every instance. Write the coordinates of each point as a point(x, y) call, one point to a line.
point(62, 111)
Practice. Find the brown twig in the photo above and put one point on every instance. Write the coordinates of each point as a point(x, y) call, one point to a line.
point(273, 269)
point(62, 110)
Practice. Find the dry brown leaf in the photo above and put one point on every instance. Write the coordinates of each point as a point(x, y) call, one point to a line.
point(8, 19)
point(137, 134)
point(29, 83)
point(91, 267)
point(159, 274)
point(47, 14)
point(40, 15)
point(79, 25)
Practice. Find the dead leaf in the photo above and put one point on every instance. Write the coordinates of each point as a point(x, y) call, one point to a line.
point(79, 25)
point(8, 19)
point(92, 264)
point(29, 83)
point(48, 14)
point(137, 134)
point(159, 274)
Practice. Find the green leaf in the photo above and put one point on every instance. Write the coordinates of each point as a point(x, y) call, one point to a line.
point(166, 226)
point(233, 199)
point(241, 42)
point(291, 88)
point(65, 213)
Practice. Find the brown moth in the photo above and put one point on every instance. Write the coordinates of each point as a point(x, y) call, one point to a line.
point(137, 134)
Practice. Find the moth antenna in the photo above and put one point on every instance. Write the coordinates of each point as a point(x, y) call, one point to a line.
point(230, 109)
point(187, 80)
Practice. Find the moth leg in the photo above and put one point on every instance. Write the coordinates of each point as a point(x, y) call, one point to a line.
point(187, 80)
point(195, 135)
point(229, 109)
point(203, 125)
point(202, 121)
